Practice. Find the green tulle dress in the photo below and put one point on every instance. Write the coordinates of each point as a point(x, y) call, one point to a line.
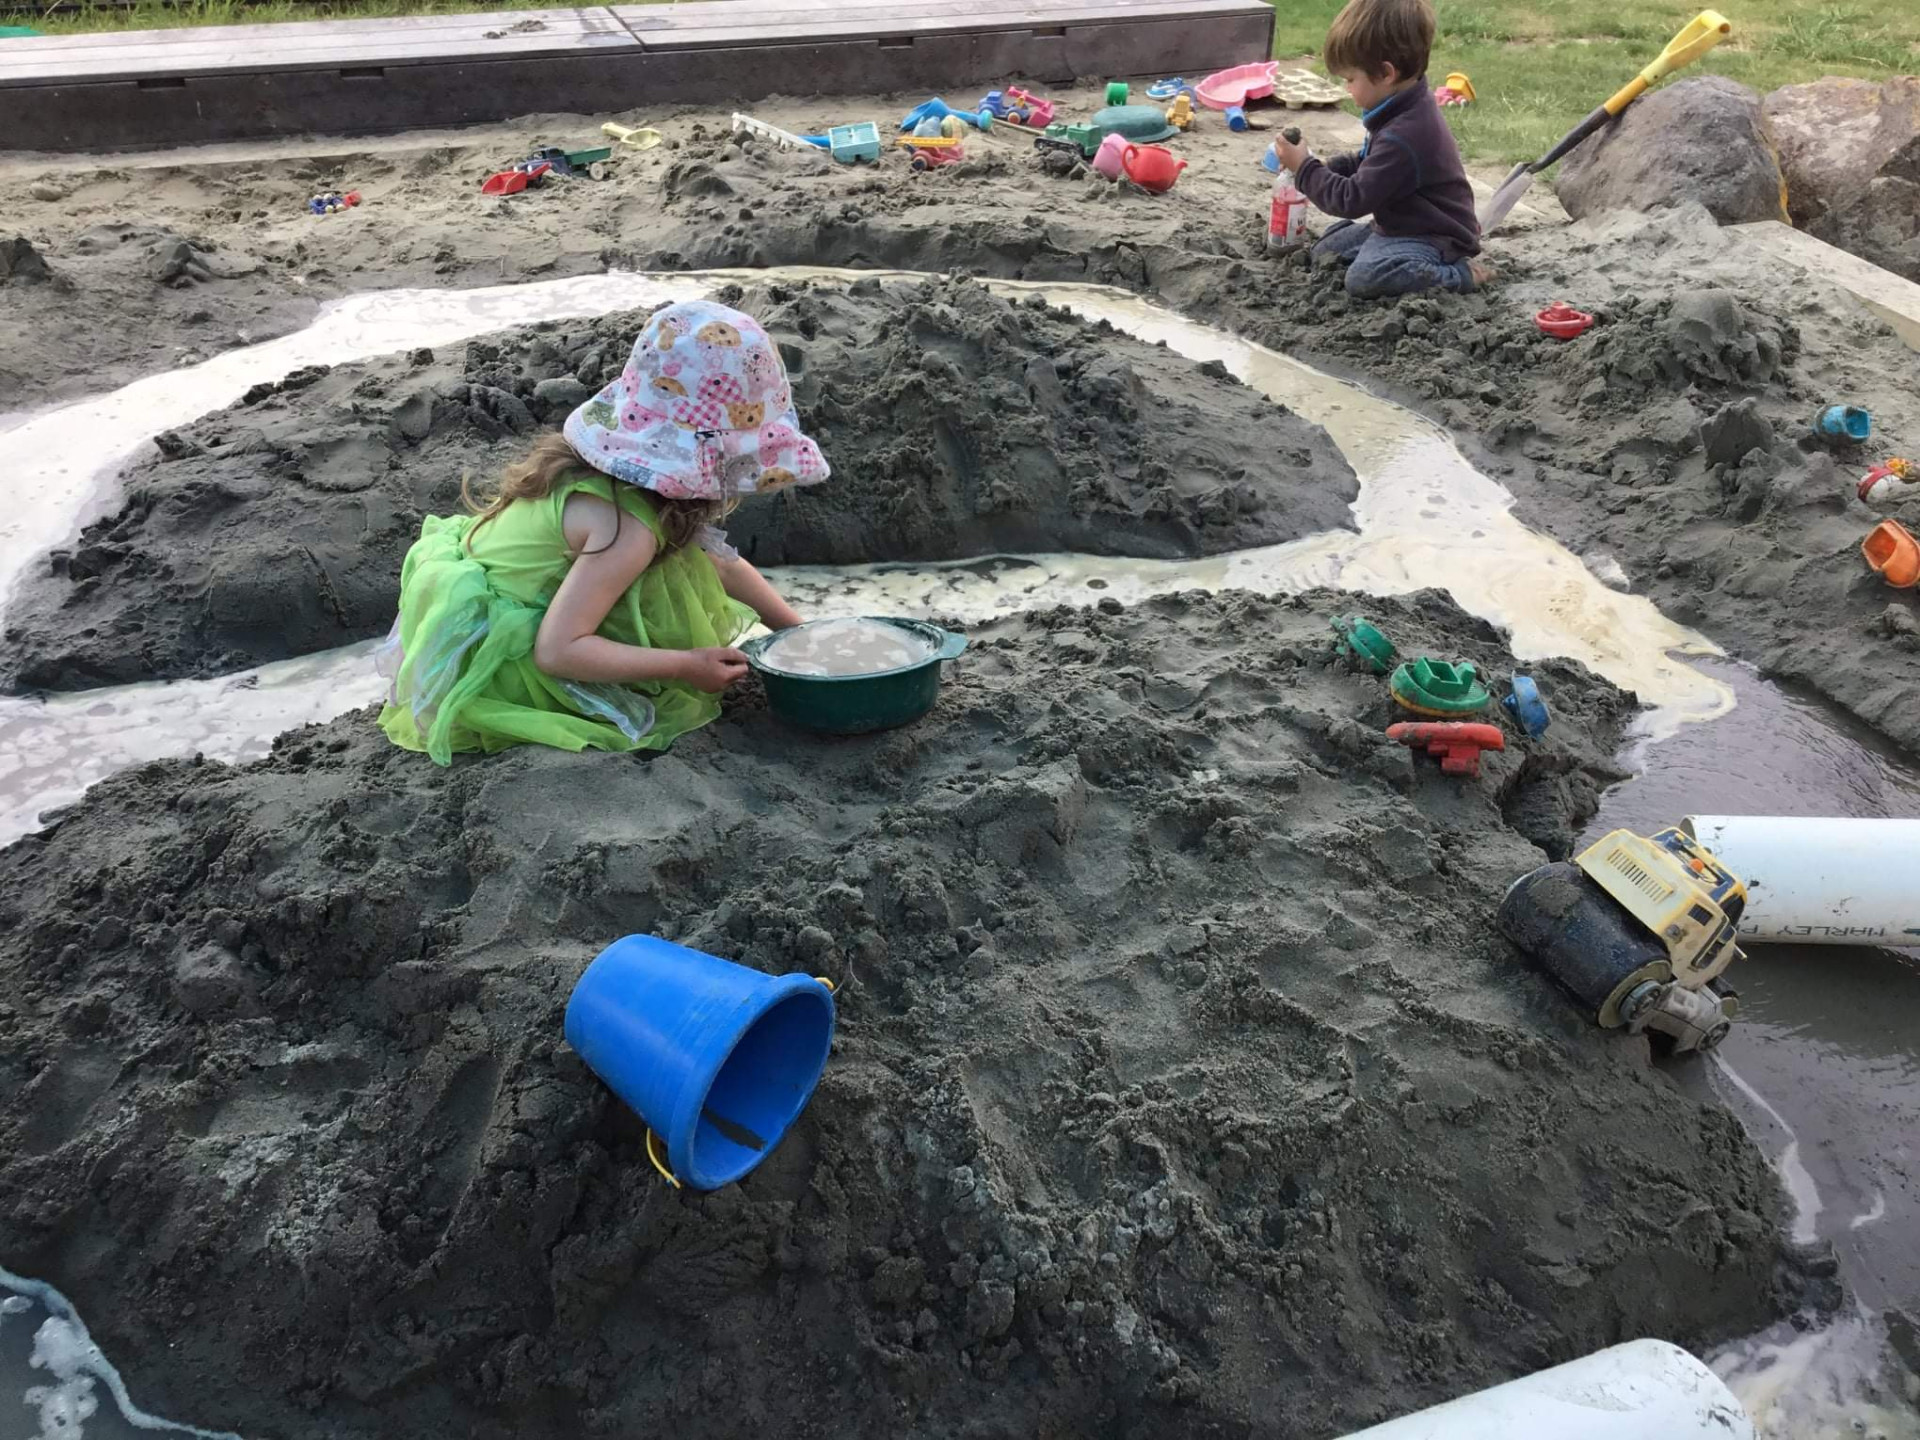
point(460, 658)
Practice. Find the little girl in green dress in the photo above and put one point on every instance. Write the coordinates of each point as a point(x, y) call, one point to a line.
point(591, 604)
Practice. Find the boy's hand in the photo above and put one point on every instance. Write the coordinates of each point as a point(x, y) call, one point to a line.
point(1291, 155)
point(713, 669)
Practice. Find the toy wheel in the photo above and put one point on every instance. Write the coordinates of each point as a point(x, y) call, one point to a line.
point(598, 170)
point(920, 162)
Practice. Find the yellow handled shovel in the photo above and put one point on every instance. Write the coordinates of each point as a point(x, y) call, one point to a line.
point(639, 137)
point(1702, 33)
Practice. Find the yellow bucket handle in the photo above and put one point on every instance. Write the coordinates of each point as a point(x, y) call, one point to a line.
point(661, 1165)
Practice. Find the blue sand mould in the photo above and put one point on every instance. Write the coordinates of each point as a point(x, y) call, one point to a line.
point(718, 1059)
point(849, 143)
point(1526, 706)
point(1847, 422)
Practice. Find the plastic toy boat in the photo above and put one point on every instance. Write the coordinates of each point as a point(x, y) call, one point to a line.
point(1894, 554)
point(1435, 687)
point(1242, 83)
point(1562, 321)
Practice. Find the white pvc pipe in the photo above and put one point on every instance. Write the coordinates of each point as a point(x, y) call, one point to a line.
point(1643, 1390)
point(1820, 882)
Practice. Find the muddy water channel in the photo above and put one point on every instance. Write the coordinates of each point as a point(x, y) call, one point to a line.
point(1820, 1067)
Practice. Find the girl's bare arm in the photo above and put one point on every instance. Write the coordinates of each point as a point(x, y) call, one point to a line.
point(747, 585)
point(611, 555)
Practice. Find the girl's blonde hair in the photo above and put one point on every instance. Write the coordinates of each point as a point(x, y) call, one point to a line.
point(550, 461)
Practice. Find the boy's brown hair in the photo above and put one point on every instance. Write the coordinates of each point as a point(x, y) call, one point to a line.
point(1369, 35)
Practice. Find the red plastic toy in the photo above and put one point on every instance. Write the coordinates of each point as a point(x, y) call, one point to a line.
point(1562, 321)
point(1151, 167)
point(1458, 743)
point(512, 182)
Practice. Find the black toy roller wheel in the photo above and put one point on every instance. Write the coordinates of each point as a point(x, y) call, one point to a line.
point(1582, 937)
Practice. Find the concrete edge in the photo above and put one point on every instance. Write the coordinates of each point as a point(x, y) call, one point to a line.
point(1886, 295)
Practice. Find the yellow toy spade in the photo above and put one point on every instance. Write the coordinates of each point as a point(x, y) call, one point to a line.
point(638, 137)
point(1703, 32)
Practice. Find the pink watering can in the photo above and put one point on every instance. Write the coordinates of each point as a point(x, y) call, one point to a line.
point(1106, 160)
point(1152, 167)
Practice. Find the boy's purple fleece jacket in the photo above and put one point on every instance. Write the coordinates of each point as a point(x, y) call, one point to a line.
point(1407, 175)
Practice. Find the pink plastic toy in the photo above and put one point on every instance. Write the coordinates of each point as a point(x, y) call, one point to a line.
point(1238, 85)
point(1108, 159)
point(1030, 110)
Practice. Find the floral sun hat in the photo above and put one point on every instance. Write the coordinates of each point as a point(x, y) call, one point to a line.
point(702, 411)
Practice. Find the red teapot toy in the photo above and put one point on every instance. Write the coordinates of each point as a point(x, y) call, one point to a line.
point(1151, 167)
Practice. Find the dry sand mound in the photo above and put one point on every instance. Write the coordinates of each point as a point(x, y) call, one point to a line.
point(1182, 1085)
point(958, 424)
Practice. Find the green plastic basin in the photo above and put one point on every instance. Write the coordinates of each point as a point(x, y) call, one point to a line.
point(856, 704)
point(1142, 124)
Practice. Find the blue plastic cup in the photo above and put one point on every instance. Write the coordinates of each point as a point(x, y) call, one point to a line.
point(1236, 118)
point(718, 1059)
point(1847, 422)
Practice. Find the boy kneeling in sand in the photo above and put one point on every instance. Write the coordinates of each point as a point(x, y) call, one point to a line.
point(1407, 175)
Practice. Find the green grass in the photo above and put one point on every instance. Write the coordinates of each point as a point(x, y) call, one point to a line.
point(1538, 66)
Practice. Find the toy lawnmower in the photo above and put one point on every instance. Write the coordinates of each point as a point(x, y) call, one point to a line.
point(1638, 930)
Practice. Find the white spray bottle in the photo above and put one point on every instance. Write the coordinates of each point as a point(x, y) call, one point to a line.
point(1287, 220)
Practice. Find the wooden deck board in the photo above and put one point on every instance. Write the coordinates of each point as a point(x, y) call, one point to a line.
point(171, 87)
point(838, 22)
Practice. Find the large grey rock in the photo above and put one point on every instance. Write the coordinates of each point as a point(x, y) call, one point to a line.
point(1695, 140)
point(1850, 150)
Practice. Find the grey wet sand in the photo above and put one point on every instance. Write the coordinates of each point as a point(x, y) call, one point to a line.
point(1603, 440)
point(1182, 1087)
point(957, 423)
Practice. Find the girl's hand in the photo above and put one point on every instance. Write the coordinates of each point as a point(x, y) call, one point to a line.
point(712, 669)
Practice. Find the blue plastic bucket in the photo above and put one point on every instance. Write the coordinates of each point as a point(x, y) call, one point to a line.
point(1848, 422)
point(717, 1058)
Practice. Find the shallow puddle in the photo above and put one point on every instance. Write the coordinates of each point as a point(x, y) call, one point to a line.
point(66, 1388)
point(1425, 518)
point(1820, 1067)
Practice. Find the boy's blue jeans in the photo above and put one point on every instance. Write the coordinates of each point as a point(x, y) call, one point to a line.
point(1382, 265)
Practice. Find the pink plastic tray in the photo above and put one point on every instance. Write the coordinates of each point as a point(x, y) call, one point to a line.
point(1238, 85)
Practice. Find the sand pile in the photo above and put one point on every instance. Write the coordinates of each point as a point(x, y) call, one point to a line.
point(1673, 437)
point(1181, 1083)
point(1594, 437)
point(958, 424)
point(91, 309)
